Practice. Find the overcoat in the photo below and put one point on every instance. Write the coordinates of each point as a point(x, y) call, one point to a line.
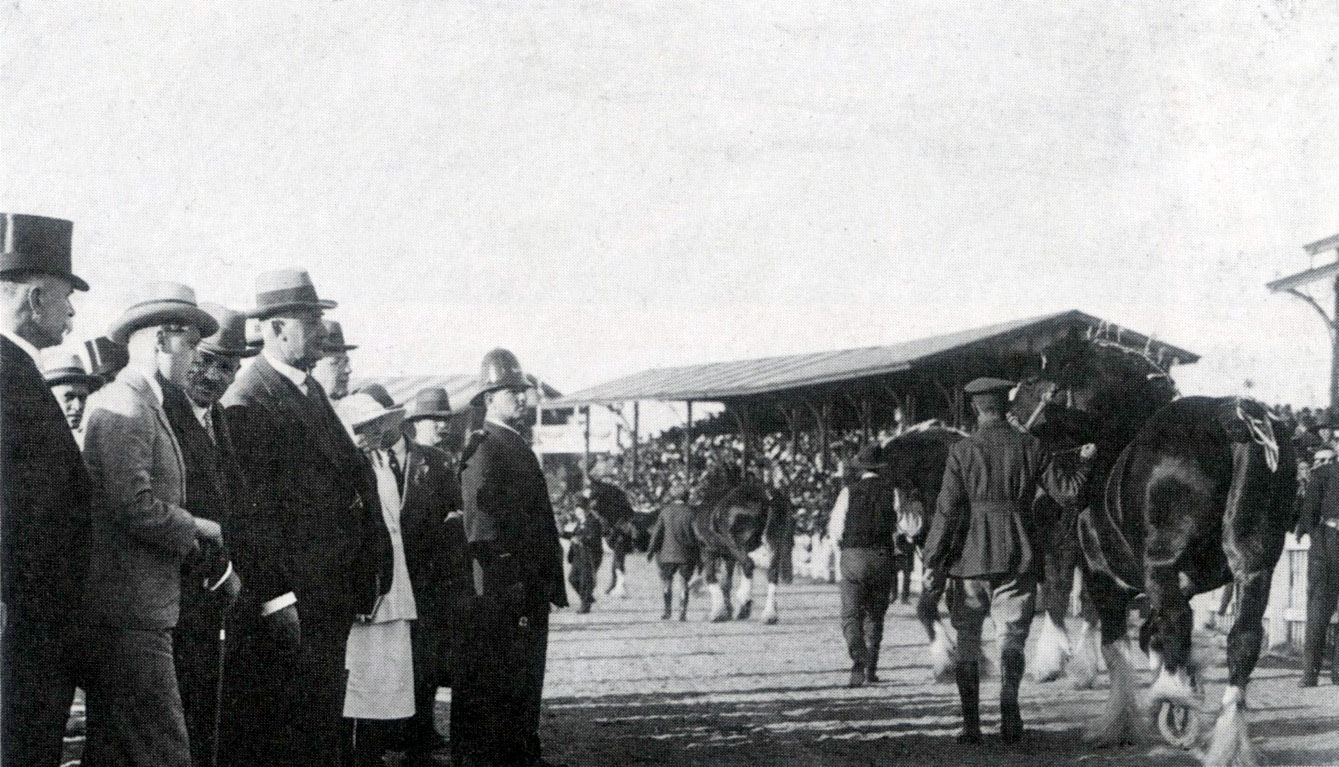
point(672, 537)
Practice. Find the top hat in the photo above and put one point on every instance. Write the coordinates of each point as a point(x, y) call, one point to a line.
point(160, 303)
point(870, 458)
point(283, 289)
point(334, 338)
point(66, 370)
point(989, 385)
point(360, 410)
point(431, 402)
point(378, 393)
point(230, 340)
point(106, 357)
point(38, 244)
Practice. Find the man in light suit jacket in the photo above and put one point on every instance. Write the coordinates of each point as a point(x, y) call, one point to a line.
point(311, 546)
point(141, 534)
point(46, 495)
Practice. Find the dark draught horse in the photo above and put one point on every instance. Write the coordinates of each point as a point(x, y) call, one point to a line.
point(740, 522)
point(1187, 495)
point(624, 529)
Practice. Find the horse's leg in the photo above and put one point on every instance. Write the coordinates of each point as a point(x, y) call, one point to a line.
point(1121, 720)
point(718, 611)
point(769, 614)
point(1086, 658)
point(619, 588)
point(744, 594)
point(1230, 744)
point(1053, 647)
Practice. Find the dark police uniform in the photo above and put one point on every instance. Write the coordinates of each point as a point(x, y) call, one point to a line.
point(983, 536)
point(867, 565)
point(1320, 520)
point(518, 573)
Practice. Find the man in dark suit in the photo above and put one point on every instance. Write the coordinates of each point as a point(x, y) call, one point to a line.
point(984, 539)
point(141, 535)
point(518, 573)
point(46, 497)
point(214, 485)
point(311, 547)
point(1319, 520)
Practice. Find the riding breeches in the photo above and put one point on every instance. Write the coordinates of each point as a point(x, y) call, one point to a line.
point(867, 580)
point(1009, 600)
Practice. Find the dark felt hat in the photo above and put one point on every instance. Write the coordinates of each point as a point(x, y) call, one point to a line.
point(160, 303)
point(38, 244)
point(230, 340)
point(377, 392)
point(989, 385)
point(67, 369)
point(431, 402)
point(283, 289)
point(870, 458)
point(334, 338)
point(105, 356)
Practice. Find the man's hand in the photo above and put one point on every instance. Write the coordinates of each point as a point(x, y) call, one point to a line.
point(208, 530)
point(285, 628)
point(1087, 452)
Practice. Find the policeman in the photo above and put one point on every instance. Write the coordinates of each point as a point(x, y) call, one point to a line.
point(518, 573)
point(863, 523)
point(984, 539)
point(1320, 520)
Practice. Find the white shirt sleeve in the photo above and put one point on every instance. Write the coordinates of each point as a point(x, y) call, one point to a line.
point(837, 521)
point(278, 603)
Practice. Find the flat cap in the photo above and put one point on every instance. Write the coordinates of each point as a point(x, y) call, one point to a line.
point(989, 385)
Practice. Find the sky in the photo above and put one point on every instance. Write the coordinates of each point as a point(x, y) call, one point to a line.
point(604, 187)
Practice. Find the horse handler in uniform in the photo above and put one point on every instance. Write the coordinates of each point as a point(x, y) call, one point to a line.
point(984, 539)
point(863, 523)
point(1320, 521)
point(518, 574)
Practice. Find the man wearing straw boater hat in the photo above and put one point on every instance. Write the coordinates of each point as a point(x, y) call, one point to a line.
point(215, 487)
point(46, 497)
point(311, 547)
point(70, 385)
point(142, 533)
point(518, 574)
point(332, 371)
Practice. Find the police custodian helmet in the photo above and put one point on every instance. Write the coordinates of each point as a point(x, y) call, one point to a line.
point(500, 370)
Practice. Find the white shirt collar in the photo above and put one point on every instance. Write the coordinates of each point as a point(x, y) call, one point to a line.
point(401, 450)
point(199, 411)
point(503, 425)
point(298, 377)
point(868, 475)
point(23, 344)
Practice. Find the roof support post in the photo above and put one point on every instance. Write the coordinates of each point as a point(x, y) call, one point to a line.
point(688, 445)
point(636, 432)
point(822, 415)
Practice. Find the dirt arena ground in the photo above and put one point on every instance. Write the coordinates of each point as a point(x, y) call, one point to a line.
point(625, 688)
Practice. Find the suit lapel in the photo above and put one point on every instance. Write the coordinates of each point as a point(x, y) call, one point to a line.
point(140, 385)
point(320, 420)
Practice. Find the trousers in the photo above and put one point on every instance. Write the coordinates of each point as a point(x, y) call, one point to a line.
point(37, 681)
point(495, 708)
point(1322, 594)
point(134, 706)
point(1010, 600)
point(867, 580)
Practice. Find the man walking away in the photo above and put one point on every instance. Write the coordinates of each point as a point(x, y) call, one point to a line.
point(674, 548)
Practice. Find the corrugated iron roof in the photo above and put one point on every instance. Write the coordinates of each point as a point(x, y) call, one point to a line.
point(460, 387)
point(723, 380)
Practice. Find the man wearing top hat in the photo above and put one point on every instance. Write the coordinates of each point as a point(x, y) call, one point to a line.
point(142, 532)
point(439, 568)
point(214, 487)
point(70, 385)
point(518, 574)
point(863, 524)
point(984, 541)
point(46, 500)
point(311, 547)
point(106, 358)
point(333, 369)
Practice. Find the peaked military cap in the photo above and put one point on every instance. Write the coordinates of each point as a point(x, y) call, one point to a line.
point(989, 385)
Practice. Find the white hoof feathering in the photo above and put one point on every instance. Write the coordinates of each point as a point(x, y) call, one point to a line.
point(1121, 720)
point(1174, 687)
point(1085, 663)
point(744, 598)
point(717, 602)
point(1052, 651)
point(620, 589)
point(1230, 743)
point(769, 615)
point(943, 655)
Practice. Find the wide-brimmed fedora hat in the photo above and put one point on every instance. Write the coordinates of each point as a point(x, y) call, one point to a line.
point(230, 340)
point(870, 458)
point(378, 393)
point(334, 338)
point(38, 244)
point(431, 402)
point(67, 369)
point(160, 303)
point(361, 410)
point(283, 289)
point(105, 356)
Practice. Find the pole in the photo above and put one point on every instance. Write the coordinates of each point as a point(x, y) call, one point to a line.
point(585, 456)
point(688, 445)
point(218, 694)
point(636, 427)
point(1334, 350)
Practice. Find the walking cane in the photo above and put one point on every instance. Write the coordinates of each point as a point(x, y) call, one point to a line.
point(218, 693)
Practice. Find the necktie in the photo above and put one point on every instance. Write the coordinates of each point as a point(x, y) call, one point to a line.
point(207, 421)
point(396, 469)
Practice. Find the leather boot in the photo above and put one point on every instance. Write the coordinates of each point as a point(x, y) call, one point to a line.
point(669, 603)
point(1334, 661)
point(1011, 718)
point(969, 693)
point(871, 675)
